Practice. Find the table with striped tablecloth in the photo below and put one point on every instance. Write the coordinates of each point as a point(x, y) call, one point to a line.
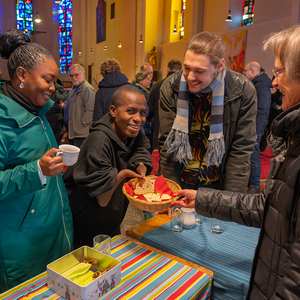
point(144, 275)
point(229, 255)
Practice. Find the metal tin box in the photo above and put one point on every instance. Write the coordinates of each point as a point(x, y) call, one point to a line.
point(94, 290)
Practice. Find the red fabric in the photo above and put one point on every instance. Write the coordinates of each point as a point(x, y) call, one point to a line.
point(129, 188)
point(141, 197)
point(265, 160)
point(161, 186)
point(155, 161)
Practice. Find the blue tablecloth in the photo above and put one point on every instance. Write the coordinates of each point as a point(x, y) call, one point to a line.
point(229, 255)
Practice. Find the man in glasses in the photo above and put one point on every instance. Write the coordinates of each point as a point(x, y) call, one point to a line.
point(254, 72)
point(78, 113)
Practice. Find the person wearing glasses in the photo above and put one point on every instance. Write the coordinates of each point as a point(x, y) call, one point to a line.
point(276, 266)
point(254, 72)
point(79, 109)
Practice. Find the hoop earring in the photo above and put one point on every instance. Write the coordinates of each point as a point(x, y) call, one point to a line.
point(21, 85)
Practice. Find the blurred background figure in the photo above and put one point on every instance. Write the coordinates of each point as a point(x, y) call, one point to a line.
point(112, 79)
point(174, 65)
point(275, 110)
point(143, 80)
point(147, 67)
point(254, 72)
point(78, 112)
point(55, 115)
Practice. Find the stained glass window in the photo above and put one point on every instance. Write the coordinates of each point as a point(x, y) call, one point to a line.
point(248, 12)
point(24, 16)
point(65, 35)
point(182, 18)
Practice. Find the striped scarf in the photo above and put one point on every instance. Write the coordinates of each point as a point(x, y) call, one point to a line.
point(177, 141)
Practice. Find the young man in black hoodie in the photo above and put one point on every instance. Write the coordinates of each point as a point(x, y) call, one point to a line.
point(114, 150)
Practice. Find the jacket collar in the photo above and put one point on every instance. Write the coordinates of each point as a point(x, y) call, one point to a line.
point(12, 110)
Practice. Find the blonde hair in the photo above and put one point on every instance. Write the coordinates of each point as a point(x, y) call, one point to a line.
point(285, 45)
point(140, 76)
point(209, 44)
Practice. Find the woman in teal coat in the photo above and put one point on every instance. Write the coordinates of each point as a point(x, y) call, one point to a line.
point(35, 217)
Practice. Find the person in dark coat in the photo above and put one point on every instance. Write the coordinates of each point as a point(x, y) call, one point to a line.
point(112, 79)
point(174, 65)
point(114, 150)
point(262, 83)
point(276, 266)
point(275, 110)
point(55, 115)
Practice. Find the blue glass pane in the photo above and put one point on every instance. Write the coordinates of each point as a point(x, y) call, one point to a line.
point(65, 35)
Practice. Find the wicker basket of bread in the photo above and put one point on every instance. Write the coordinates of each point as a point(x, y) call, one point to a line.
point(152, 194)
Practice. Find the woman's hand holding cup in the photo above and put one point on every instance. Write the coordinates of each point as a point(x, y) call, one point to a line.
point(51, 166)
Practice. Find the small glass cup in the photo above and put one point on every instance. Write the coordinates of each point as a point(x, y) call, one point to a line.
point(102, 243)
point(216, 226)
point(199, 219)
point(176, 225)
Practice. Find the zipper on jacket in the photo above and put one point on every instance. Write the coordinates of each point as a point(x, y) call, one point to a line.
point(57, 183)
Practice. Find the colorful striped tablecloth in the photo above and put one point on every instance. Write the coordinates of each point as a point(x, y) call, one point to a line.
point(229, 255)
point(145, 275)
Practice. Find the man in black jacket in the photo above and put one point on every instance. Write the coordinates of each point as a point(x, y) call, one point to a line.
point(262, 83)
point(112, 80)
point(174, 65)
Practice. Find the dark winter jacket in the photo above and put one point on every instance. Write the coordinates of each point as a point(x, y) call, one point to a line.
point(276, 265)
point(107, 86)
point(262, 84)
point(55, 114)
point(153, 108)
point(238, 129)
point(103, 155)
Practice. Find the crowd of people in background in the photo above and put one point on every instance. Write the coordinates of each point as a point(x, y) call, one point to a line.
point(208, 123)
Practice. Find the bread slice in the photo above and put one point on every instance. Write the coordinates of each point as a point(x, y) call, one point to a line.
point(144, 186)
point(152, 196)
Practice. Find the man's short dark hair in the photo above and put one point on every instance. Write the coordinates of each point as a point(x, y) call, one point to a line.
point(118, 99)
point(175, 65)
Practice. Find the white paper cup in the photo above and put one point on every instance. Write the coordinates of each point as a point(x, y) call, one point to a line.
point(69, 154)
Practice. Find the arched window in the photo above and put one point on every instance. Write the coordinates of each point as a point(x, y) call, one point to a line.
point(24, 16)
point(248, 12)
point(65, 35)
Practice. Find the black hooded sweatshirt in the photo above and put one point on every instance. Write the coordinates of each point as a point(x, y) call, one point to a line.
point(103, 155)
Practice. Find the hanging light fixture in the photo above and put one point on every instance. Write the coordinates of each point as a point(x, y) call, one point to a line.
point(91, 51)
point(105, 47)
point(120, 45)
point(37, 18)
point(141, 39)
point(175, 30)
point(229, 19)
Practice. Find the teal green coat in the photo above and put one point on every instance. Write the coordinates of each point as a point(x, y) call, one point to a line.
point(35, 220)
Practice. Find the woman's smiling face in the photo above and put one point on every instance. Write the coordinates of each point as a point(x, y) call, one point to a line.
point(289, 88)
point(129, 116)
point(39, 83)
